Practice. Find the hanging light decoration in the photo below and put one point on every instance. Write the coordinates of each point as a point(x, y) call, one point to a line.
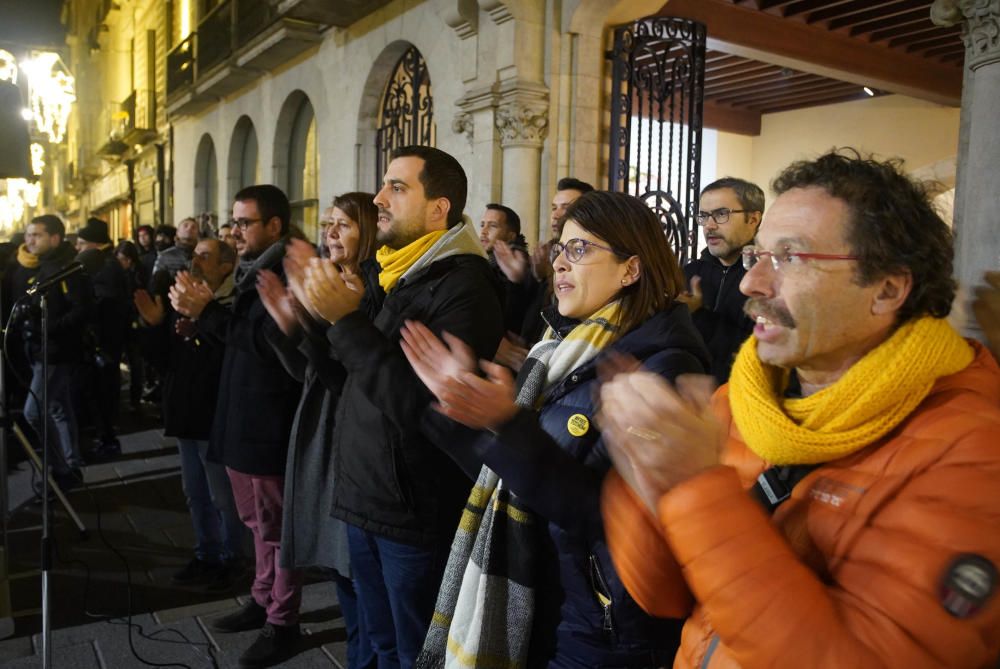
point(52, 93)
point(37, 159)
point(8, 66)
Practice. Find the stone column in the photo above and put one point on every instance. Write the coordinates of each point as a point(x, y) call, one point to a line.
point(522, 118)
point(977, 208)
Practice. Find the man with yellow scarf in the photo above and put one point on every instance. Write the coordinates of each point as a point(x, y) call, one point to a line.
point(400, 495)
point(863, 427)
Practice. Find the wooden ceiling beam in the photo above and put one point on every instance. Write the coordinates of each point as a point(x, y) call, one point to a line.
point(833, 99)
point(767, 72)
point(888, 21)
point(771, 39)
point(924, 45)
point(912, 31)
point(881, 12)
point(926, 34)
point(943, 50)
point(838, 10)
point(803, 6)
point(728, 119)
point(758, 83)
point(805, 91)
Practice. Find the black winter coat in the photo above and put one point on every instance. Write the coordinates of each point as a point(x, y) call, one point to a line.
point(70, 304)
point(257, 397)
point(390, 479)
point(559, 475)
point(191, 368)
point(721, 320)
point(112, 300)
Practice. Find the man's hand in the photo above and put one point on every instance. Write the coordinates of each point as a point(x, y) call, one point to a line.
point(331, 293)
point(513, 264)
point(151, 310)
point(659, 436)
point(986, 307)
point(692, 298)
point(188, 296)
point(541, 266)
point(433, 360)
point(512, 352)
point(277, 300)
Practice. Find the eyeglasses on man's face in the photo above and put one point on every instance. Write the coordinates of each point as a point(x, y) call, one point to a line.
point(576, 250)
point(785, 257)
point(243, 223)
point(720, 215)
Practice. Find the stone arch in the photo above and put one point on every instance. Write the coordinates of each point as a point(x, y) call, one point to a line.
point(296, 160)
point(206, 176)
point(370, 107)
point(243, 167)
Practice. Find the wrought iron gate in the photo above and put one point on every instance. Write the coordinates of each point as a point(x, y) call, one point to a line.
point(658, 85)
point(406, 115)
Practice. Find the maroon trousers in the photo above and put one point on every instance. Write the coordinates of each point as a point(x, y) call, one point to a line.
point(258, 502)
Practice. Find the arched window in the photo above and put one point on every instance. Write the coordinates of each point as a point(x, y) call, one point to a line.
point(406, 112)
point(206, 176)
point(297, 161)
point(244, 166)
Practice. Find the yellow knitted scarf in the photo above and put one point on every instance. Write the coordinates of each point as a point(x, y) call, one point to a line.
point(26, 258)
point(868, 401)
point(395, 262)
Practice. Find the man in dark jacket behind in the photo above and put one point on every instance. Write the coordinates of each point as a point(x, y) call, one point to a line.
point(401, 496)
point(191, 364)
point(108, 326)
point(253, 417)
point(69, 303)
point(729, 211)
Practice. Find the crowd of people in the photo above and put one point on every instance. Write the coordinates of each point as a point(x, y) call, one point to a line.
point(577, 455)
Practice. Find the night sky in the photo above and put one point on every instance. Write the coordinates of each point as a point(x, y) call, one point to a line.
point(31, 22)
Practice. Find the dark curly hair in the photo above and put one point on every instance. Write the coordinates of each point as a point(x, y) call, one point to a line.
point(894, 227)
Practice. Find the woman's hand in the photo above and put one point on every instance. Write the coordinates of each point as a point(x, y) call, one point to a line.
point(482, 404)
point(331, 293)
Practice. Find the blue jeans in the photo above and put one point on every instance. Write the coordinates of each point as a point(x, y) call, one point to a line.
point(360, 653)
point(218, 530)
point(62, 417)
point(397, 585)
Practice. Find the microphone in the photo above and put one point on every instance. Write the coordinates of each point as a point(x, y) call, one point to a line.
point(68, 270)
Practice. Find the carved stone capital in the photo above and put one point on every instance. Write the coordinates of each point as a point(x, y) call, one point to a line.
point(522, 123)
point(462, 124)
point(980, 27)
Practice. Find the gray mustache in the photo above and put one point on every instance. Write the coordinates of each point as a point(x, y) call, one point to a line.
point(769, 311)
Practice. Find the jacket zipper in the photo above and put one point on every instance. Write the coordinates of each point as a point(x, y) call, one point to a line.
point(722, 284)
point(602, 592)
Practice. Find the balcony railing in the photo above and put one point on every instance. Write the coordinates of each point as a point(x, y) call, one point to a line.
point(215, 41)
point(180, 64)
point(112, 126)
point(239, 39)
point(139, 110)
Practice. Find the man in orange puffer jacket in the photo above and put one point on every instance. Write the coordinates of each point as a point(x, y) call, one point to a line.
point(837, 504)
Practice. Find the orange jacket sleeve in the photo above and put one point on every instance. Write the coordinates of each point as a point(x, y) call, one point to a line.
point(640, 553)
point(879, 606)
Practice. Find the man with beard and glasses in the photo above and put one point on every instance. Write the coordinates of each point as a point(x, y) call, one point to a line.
point(253, 417)
point(399, 494)
point(729, 212)
point(835, 504)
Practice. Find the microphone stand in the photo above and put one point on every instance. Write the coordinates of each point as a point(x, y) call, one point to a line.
point(46, 547)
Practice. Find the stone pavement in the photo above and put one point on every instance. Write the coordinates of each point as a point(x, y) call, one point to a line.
point(138, 533)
